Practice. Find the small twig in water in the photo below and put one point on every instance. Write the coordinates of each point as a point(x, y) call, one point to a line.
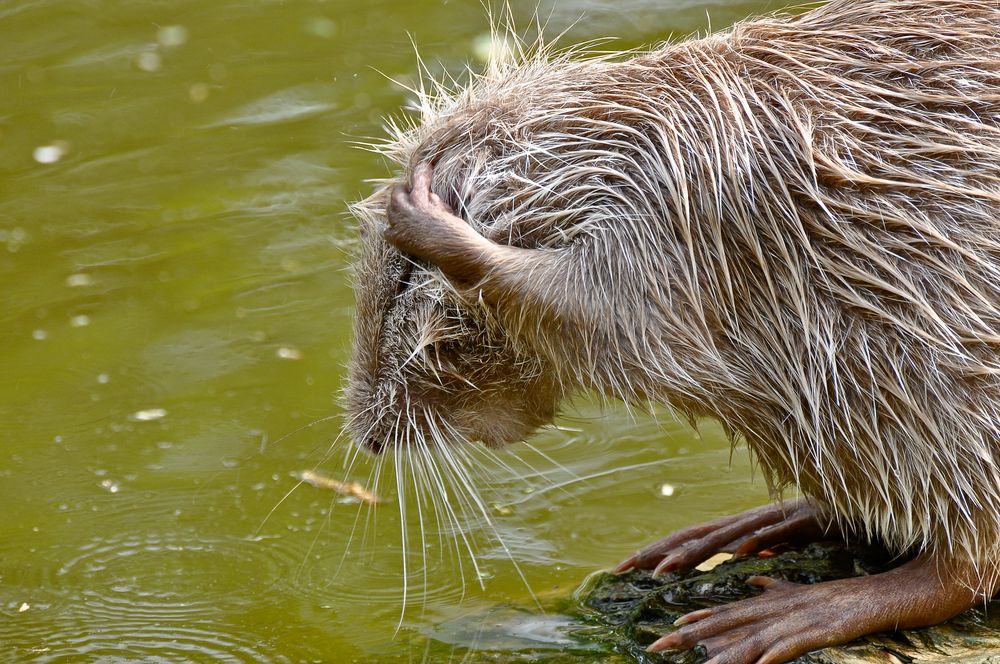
point(346, 488)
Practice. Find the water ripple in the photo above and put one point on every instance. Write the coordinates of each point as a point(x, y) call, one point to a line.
point(285, 106)
point(148, 596)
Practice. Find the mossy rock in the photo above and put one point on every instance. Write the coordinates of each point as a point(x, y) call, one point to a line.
point(636, 609)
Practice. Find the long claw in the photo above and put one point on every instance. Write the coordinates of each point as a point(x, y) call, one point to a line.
point(766, 582)
point(626, 564)
point(668, 564)
point(668, 642)
point(694, 616)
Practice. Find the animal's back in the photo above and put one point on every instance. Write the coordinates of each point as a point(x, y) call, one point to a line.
point(869, 249)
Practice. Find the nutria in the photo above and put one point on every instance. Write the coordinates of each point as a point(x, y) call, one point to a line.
point(792, 227)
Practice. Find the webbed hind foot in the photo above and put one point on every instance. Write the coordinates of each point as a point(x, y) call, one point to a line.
point(790, 619)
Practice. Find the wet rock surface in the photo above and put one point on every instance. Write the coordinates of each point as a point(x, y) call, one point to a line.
point(635, 609)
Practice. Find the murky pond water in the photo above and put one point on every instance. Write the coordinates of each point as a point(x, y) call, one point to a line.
point(174, 320)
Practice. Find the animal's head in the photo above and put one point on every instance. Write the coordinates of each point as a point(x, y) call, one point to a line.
point(529, 156)
point(430, 367)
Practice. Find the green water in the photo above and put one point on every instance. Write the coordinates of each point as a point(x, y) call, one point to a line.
point(175, 308)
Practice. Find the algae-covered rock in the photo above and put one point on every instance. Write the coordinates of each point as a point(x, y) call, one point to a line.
point(637, 609)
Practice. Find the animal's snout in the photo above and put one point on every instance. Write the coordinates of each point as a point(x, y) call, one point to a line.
point(372, 444)
point(404, 421)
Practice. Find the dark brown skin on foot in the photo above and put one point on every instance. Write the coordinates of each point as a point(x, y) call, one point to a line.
point(789, 619)
point(792, 521)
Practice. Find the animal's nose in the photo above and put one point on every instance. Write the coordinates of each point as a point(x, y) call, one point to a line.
point(373, 444)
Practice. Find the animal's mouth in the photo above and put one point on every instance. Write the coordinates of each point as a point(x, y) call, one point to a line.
point(415, 427)
point(429, 429)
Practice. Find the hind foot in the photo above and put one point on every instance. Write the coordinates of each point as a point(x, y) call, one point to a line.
point(790, 619)
point(797, 520)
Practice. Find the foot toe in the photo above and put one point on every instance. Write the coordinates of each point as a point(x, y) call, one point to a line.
point(694, 616)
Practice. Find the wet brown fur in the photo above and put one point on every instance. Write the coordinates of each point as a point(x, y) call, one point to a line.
point(792, 226)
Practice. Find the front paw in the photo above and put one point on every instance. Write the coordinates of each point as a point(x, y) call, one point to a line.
point(418, 219)
point(796, 520)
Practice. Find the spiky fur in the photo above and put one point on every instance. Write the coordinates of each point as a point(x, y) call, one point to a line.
point(792, 226)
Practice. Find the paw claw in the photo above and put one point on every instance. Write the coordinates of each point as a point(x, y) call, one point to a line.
point(762, 581)
point(747, 547)
point(626, 564)
point(669, 564)
point(668, 642)
point(694, 616)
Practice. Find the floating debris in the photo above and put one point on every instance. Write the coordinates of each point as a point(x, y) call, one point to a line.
point(50, 154)
point(714, 562)
point(148, 415)
point(198, 92)
point(24, 607)
point(110, 485)
point(321, 26)
point(14, 238)
point(503, 510)
point(667, 490)
point(149, 61)
point(488, 48)
point(82, 320)
point(79, 279)
point(172, 35)
point(344, 488)
point(286, 353)
point(47, 154)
